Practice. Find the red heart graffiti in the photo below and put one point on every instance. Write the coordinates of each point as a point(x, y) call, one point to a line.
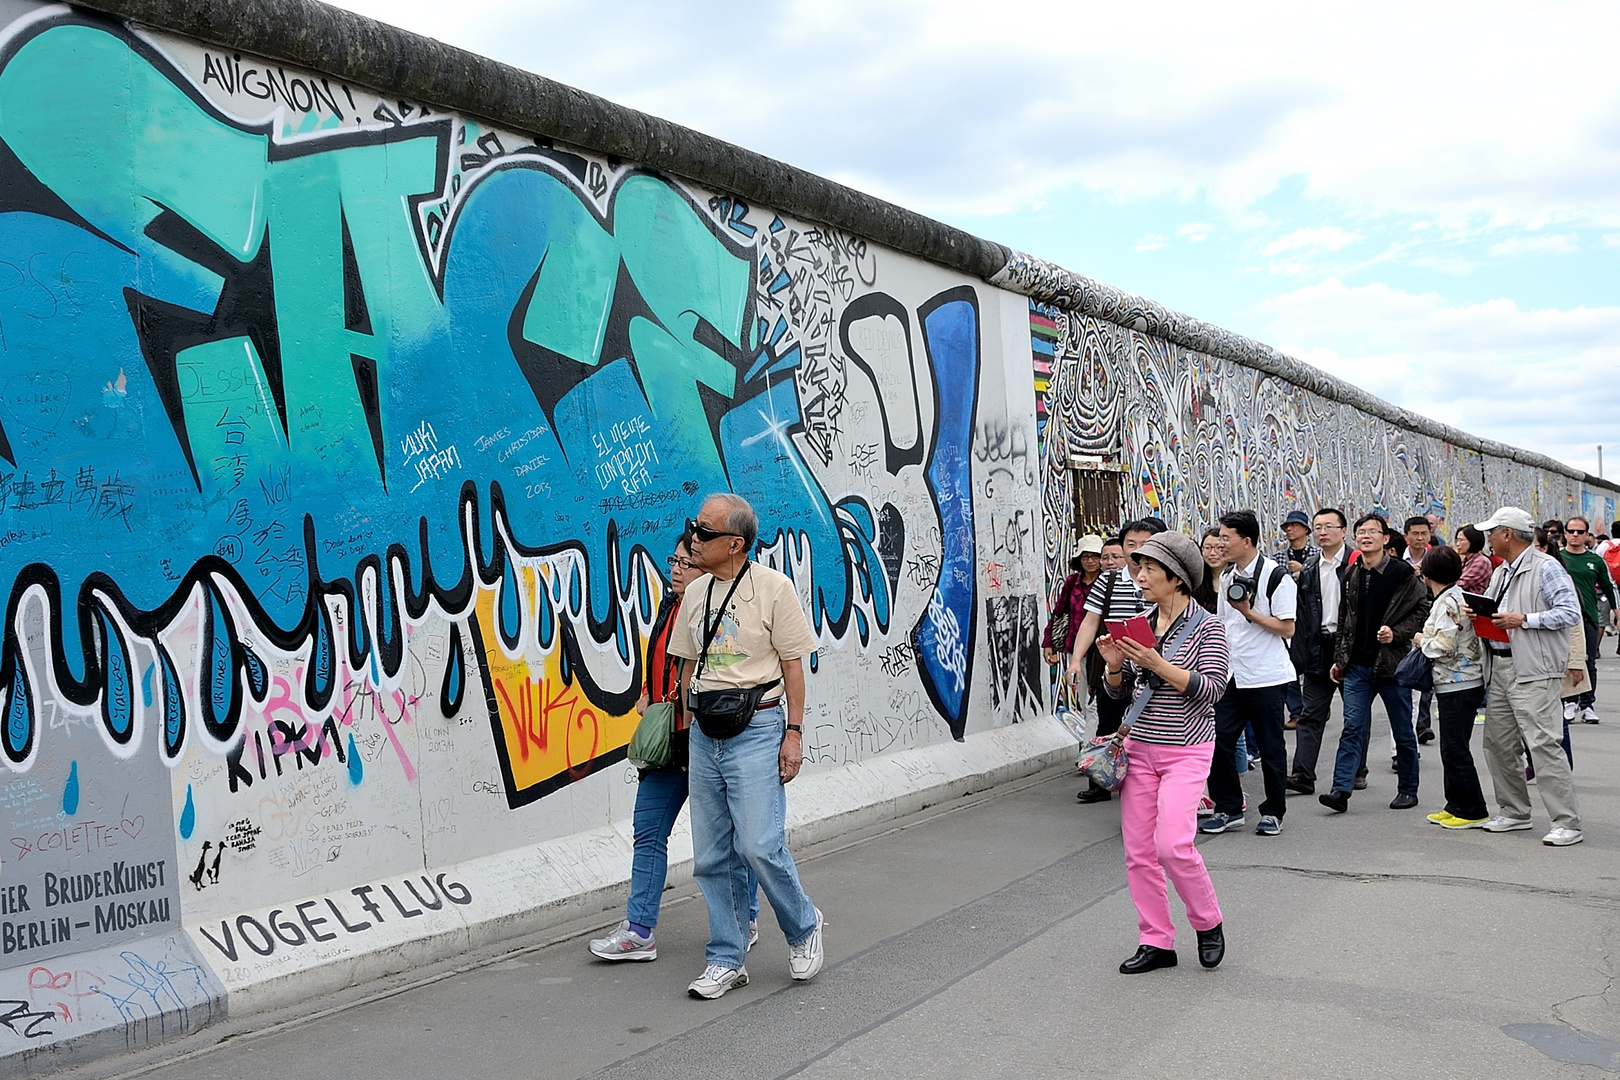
point(132, 827)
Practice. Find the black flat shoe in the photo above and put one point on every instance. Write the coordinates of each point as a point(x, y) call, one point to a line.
point(1336, 801)
point(1147, 958)
point(1094, 794)
point(1211, 946)
point(1426, 736)
point(1403, 802)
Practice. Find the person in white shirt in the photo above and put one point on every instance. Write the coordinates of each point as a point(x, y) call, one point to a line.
point(1256, 602)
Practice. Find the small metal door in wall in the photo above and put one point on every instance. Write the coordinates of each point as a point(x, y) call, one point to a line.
point(1098, 497)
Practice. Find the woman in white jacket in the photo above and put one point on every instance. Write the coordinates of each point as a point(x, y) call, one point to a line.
point(1448, 639)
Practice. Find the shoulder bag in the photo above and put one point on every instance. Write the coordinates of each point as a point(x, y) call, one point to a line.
point(722, 714)
point(1106, 761)
point(649, 746)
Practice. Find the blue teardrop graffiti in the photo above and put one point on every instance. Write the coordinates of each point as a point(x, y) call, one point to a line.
point(188, 816)
point(70, 791)
point(511, 611)
point(117, 702)
point(357, 770)
point(221, 691)
point(174, 708)
point(321, 679)
point(944, 637)
point(20, 732)
point(455, 677)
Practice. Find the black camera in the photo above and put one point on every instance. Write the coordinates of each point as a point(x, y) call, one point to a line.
point(1241, 589)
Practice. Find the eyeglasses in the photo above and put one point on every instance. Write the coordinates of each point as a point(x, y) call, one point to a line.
point(1365, 534)
point(703, 534)
point(1321, 525)
point(1574, 532)
point(674, 562)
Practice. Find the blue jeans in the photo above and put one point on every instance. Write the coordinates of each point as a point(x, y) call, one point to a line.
point(739, 823)
point(659, 799)
point(1360, 687)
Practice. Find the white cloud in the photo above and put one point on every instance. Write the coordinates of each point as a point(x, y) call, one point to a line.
point(1542, 379)
point(1549, 244)
point(1611, 240)
point(1331, 238)
point(1150, 242)
point(959, 106)
point(1195, 231)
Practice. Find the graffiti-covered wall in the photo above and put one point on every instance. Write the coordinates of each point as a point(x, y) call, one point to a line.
point(344, 442)
point(1200, 435)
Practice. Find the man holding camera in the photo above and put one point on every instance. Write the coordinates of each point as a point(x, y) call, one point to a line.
point(1255, 602)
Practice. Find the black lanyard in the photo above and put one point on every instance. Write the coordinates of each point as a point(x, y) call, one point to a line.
point(708, 630)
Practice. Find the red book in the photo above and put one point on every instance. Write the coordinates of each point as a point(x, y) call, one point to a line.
point(1489, 630)
point(1137, 629)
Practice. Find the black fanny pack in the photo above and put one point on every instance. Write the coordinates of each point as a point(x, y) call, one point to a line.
point(722, 714)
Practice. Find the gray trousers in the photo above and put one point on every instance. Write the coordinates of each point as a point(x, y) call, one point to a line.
point(1531, 711)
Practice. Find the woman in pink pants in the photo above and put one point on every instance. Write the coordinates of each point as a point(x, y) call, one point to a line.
point(1171, 732)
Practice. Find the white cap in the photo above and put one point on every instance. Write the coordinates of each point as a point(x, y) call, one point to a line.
point(1510, 517)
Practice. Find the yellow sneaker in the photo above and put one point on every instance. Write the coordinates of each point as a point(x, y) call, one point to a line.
point(1463, 823)
point(1441, 818)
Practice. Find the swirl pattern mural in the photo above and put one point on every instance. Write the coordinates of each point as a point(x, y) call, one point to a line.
point(1200, 435)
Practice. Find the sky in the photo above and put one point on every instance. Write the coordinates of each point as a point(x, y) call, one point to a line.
point(1420, 198)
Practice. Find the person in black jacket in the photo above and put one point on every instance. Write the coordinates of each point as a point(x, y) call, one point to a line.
point(1384, 604)
point(1316, 620)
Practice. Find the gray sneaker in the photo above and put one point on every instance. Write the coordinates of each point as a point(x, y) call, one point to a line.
point(753, 932)
point(716, 980)
point(1503, 823)
point(1269, 826)
point(625, 944)
point(805, 958)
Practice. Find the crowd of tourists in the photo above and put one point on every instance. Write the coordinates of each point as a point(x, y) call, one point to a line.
point(1198, 657)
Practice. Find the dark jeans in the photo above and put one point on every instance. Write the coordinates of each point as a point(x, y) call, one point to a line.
point(1360, 687)
point(1316, 695)
point(1464, 798)
point(1261, 706)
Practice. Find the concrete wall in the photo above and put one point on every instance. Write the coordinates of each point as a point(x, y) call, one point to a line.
point(345, 440)
point(343, 436)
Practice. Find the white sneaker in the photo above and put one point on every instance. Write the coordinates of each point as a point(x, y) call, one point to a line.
point(1589, 715)
point(1570, 709)
point(753, 932)
point(1562, 837)
point(1503, 823)
point(716, 980)
point(625, 944)
point(805, 958)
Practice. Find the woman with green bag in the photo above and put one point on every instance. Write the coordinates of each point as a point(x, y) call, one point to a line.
point(662, 791)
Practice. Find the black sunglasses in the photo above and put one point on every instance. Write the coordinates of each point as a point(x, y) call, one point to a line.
point(703, 534)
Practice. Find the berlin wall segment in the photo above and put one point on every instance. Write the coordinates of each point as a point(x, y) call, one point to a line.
point(1200, 435)
point(343, 440)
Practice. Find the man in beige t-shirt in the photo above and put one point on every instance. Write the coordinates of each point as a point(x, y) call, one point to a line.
point(757, 636)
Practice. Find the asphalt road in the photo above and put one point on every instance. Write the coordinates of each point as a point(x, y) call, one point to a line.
point(981, 939)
